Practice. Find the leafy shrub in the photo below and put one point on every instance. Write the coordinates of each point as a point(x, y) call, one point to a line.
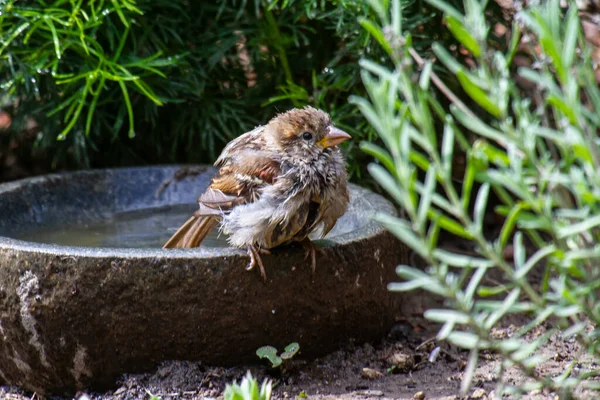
point(125, 82)
point(537, 150)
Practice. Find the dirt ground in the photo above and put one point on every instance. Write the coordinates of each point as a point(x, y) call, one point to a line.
point(408, 364)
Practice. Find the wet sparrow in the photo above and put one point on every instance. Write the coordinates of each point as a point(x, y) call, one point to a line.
point(276, 184)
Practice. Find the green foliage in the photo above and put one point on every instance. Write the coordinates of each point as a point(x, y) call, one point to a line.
point(538, 154)
point(248, 389)
point(270, 353)
point(125, 82)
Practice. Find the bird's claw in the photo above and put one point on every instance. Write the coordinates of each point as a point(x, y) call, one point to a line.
point(255, 259)
point(311, 250)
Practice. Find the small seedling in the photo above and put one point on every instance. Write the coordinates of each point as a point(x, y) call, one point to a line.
point(270, 353)
point(248, 389)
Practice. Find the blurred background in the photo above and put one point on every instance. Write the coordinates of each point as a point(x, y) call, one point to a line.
point(121, 83)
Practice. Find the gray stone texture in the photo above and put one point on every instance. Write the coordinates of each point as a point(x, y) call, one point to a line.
point(75, 317)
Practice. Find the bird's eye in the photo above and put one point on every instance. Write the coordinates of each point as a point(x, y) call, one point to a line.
point(307, 136)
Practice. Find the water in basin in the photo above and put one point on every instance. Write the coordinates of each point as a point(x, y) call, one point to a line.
point(147, 228)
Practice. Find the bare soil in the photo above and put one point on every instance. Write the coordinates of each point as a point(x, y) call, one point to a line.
point(408, 364)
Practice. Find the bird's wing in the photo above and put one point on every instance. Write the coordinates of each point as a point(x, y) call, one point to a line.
point(245, 170)
point(247, 141)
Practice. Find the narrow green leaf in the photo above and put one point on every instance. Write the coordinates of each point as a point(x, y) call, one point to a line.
point(579, 227)
point(475, 282)
point(486, 291)
point(549, 47)
point(377, 34)
point(443, 315)
point(447, 150)
point(448, 224)
point(478, 95)
point(445, 330)
point(519, 250)
point(426, 195)
point(465, 340)
point(387, 181)
point(509, 224)
point(515, 39)
point(480, 206)
point(403, 232)
point(416, 279)
point(462, 35)
point(467, 184)
point(129, 108)
point(380, 153)
point(446, 58)
point(50, 24)
point(469, 373)
point(446, 8)
point(560, 104)
point(507, 304)
point(478, 126)
point(147, 91)
point(380, 9)
point(13, 35)
point(545, 81)
point(424, 78)
point(122, 17)
point(92, 108)
point(568, 311)
point(571, 34)
point(460, 260)
point(396, 12)
point(419, 160)
point(63, 134)
point(533, 260)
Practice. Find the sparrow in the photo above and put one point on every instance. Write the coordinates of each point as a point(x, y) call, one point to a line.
point(275, 185)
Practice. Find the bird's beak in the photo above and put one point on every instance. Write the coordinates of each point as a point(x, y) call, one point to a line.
point(334, 137)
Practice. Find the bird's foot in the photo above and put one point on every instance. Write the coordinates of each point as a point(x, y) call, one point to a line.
point(255, 259)
point(311, 250)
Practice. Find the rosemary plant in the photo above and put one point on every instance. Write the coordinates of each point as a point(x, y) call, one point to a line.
point(536, 150)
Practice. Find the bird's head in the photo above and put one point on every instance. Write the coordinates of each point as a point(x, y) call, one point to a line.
point(303, 134)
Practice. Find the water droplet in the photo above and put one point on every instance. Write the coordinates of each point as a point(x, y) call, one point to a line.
point(131, 134)
point(61, 137)
point(105, 12)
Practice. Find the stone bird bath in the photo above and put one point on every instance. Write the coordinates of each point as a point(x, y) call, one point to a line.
point(87, 294)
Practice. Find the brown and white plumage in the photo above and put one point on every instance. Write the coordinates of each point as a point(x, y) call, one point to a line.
point(275, 184)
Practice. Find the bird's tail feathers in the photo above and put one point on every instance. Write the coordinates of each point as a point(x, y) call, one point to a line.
point(192, 233)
